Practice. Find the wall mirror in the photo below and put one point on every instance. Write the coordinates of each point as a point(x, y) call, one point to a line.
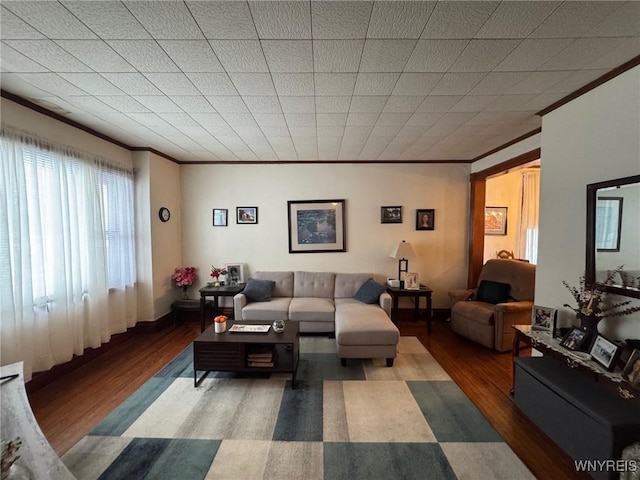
point(613, 234)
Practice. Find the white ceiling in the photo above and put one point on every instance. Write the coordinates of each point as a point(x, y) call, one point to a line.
point(311, 80)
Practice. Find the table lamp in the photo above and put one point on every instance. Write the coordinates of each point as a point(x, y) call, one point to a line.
point(402, 250)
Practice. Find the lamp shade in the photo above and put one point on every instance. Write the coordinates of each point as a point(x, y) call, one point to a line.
point(403, 250)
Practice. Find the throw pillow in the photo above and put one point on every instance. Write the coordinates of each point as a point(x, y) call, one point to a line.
point(259, 290)
point(493, 292)
point(369, 292)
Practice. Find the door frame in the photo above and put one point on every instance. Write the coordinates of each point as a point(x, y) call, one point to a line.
point(477, 198)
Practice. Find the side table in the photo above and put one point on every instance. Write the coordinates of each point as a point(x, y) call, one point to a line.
point(216, 293)
point(424, 291)
point(188, 305)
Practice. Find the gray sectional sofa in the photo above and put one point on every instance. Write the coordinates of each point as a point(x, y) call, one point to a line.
point(323, 302)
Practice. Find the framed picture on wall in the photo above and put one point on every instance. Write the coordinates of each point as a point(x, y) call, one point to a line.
point(495, 220)
point(425, 219)
point(390, 214)
point(316, 226)
point(246, 215)
point(220, 217)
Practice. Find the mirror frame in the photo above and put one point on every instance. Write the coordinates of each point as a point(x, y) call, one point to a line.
point(590, 270)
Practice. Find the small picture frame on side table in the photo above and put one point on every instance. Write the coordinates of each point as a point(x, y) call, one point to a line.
point(235, 273)
point(411, 281)
point(220, 217)
point(604, 352)
point(631, 372)
point(543, 319)
point(574, 339)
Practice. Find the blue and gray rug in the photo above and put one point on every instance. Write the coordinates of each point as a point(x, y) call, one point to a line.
point(363, 421)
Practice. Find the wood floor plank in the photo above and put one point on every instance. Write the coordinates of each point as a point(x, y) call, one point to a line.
point(73, 405)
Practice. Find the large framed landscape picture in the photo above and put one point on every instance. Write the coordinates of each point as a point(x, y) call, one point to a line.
point(316, 226)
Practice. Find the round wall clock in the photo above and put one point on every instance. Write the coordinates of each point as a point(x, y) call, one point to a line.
point(164, 214)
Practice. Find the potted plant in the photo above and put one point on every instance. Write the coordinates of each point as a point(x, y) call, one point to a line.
point(184, 278)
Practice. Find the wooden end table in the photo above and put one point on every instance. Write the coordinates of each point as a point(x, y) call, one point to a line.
point(227, 351)
point(424, 291)
point(216, 292)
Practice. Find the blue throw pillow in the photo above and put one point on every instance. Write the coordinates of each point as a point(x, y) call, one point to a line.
point(259, 290)
point(493, 292)
point(369, 292)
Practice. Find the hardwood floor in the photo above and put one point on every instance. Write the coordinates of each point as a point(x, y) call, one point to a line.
point(70, 407)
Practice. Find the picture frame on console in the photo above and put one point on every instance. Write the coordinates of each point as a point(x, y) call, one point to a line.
point(543, 319)
point(391, 214)
point(604, 352)
point(631, 371)
point(411, 281)
point(316, 226)
point(235, 273)
point(220, 216)
point(425, 219)
point(574, 339)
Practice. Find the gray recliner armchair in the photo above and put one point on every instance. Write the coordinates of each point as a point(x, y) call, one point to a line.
point(504, 297)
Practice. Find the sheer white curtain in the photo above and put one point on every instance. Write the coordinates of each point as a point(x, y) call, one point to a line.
point(529, 210)
point(55, 253)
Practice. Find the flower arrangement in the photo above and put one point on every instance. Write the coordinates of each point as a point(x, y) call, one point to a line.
point(216, 272)
point(590, 299)
point(184, 276)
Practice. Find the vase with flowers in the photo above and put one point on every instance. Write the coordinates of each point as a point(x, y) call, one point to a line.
point(184, 278)
point(592, 307)
point(215, 274)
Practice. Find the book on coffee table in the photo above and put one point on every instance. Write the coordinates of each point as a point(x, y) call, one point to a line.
point(250, 328)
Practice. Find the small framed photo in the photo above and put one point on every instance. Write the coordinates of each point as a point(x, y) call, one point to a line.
point(631, 372)
point(495, 220)
point(390, 214)
point(235, 273)
point(246, 215)
point(574, 339)
point(425, 219)
point(220, 217)
point(604, 352)
point(544, 319)
point(411, 281)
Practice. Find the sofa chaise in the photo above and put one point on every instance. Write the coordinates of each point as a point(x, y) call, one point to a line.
point(323, 302)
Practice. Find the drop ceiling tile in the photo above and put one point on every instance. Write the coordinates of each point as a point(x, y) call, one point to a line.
point(48, 54)
point(270, 119)
point(624, 22)
point(328, 148)
point(581, 52)
point(334, 84)
point(179, 120)
point(532, 53)
point(625, 51)
point(439, 103)
point(227, 104)
point(282, 19)
point(458, 118)
point(516, 19)
point(51, 19)
point(332, 131)
point(474, 103)
point(109, 20)
point(98, 55)
point(14, 61)
point(240, 55)
point(12, 27)
point(158, 103)
point(440, 129)
point(386, 55)
point(275, 133)
point(457, 83)
point(375, 83)
point(333, 104)
point(538, 82)
point(509, 103)
point(288, 55)
point(297, 104)
point(497, 82)
point(340, 20)
point(172, 83)
point(367, 104)
point(90, 104)
point(253, 83)
point(409, 134)
point(165, 20)
point(393, 119)
point(575, 81)
point(51, 83)
point(385, 130)
point(92, 83)
point(239, 121)
point(192, 55)
point(357, 134)
point(337, 55)
point(402, 104)
point(258, 104)
point(542, 101)
point(435, 55)
point(401, 19)
point(362, 119)
point(456, 20)
point(416, 83)
point(288, 84)
point(223, 19)
point(574, 19)
point(297, 132)
point(300, 120)
point(193, 103)
point(212, 83)
point(144, 55)
point(423, 119)
point(213, 123)
point(331, 119)
point(483, 55)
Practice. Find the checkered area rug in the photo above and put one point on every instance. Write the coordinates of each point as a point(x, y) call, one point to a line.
point(362, 421)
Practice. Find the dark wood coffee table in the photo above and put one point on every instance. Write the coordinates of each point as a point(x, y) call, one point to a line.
point(227, 352)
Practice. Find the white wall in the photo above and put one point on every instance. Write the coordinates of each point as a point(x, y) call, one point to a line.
point(591, 139)
point(442, 261)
